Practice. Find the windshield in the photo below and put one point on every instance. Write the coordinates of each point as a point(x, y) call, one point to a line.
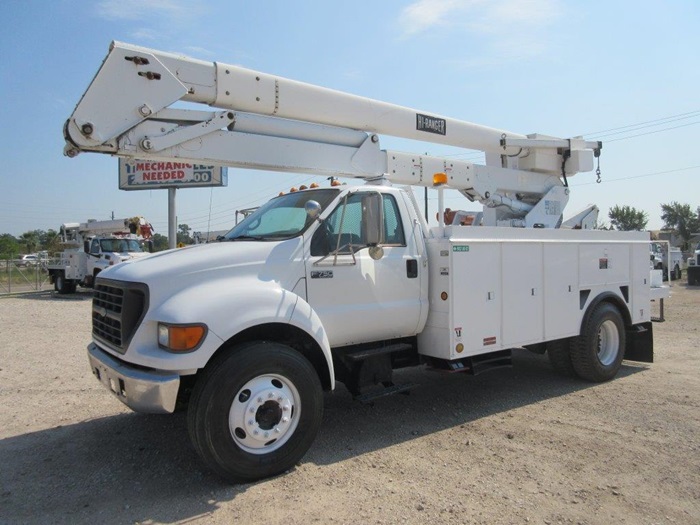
point(120, 245)
point(281, 218)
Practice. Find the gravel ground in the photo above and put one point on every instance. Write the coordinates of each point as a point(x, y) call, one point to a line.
point(513, 446)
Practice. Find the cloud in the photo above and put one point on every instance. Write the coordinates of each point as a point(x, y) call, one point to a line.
point(505, 29)
point(477, 16)
point(146, 34)
point(140, 9)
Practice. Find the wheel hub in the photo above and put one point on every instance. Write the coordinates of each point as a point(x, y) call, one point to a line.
point(608, 342)
point(262, 415)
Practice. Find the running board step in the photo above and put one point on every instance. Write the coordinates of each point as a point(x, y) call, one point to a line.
point(373, 352)
point(473, 365)
point(384, 392)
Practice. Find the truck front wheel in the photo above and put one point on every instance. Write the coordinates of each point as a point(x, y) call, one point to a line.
point(255, 412)
point(598, 352)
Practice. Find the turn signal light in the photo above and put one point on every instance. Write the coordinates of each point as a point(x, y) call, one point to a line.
point(180, 338)
point(439, 179)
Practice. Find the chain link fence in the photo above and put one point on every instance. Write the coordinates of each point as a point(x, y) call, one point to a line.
point(18, 276)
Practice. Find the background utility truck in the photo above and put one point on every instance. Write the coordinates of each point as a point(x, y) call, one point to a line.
point(666, 258)
point(93, 246)
point(346, 283)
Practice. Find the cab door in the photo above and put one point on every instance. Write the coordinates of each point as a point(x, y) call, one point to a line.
point(357, 297)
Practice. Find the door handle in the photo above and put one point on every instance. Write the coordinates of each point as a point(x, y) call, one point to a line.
point(411, 268)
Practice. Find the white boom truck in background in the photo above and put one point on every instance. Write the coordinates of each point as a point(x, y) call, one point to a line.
point(93, 246)
point(666, 258)
point(346, 283)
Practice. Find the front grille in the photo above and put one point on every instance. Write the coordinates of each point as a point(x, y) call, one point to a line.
point(117, 310)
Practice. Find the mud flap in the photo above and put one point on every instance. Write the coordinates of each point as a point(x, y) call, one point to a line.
point(640, 343)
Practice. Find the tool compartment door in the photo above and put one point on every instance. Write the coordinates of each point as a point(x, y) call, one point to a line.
point(523, 293)
point(475, 295)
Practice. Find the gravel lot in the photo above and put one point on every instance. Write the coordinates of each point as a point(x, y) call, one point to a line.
point(514, 446)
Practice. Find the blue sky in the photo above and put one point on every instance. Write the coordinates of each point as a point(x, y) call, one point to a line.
point(556, 67)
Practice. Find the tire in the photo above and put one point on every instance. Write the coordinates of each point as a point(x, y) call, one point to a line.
point(62, 285)
point(597, 353)
point(255, 412)
point(677, 274)
point(559, 354)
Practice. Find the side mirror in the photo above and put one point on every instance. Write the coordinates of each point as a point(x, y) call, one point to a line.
point(313, 209)
point(373, 219)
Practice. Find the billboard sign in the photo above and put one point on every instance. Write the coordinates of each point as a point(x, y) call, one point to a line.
point(152, 175)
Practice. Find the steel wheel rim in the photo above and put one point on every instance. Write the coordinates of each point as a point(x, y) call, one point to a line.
point(264, 413)
point(608, 342)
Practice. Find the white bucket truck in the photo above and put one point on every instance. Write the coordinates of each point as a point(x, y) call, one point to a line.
point(666, 258)
point(93, 246)
point(346, 283)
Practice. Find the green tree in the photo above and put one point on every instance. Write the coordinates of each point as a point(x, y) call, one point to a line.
point(51, 241)
point(682, 220)
point(30, 240)
point(160, 242)
point(183, 234)
point(627, 218)
point(9, 246)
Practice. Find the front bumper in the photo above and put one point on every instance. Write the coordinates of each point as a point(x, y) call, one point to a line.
point(148, 391)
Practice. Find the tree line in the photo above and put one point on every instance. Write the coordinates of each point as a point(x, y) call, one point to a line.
point(678, 218)
point(49, 241)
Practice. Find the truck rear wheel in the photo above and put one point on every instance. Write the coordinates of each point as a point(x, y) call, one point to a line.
point(677, 273)
point(255, 412)
point(598, 352)
point(559, 354)
point(63, 285)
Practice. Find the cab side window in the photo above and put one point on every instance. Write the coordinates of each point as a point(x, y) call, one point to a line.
point(95, 246)
point(343, 230)
point(393, 229)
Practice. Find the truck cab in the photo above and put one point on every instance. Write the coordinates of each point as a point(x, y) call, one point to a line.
point(104, 252)
point(288, 264)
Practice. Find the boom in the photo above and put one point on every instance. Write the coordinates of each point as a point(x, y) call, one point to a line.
point(273, 123)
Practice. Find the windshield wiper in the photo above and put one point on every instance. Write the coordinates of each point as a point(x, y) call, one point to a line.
point(246, 238)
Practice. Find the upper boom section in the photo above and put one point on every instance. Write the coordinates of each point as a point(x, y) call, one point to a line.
point(135, 82)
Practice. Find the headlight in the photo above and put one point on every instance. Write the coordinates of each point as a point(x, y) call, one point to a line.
point(181, 337)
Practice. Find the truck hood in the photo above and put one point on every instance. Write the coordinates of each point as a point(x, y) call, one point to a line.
point(125, 256)
point(178, 268)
